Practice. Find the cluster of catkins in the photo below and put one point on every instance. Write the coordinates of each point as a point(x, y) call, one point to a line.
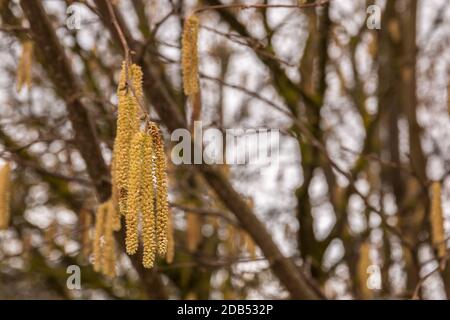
point(139, 174)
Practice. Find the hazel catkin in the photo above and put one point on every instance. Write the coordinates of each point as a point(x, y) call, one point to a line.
point(189, 58)
point(127, 126)
point(104, 245)
point(162, 204)
point(437, 220)
point(5, 177)
point(24, 66)
point(134, 189)
point(147, 204)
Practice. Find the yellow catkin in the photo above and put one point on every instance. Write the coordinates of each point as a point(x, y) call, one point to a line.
point(85, 232)
point(231, 243)
point(193, 230)
point(49, 236)
point(362, 268)
point(162, 204)
point(437, 221)
point(5, 181)
point(251, 246)
point(24, 66)
point(109, 255)
point(189, 58)
point(99, 230)
point(170, 240)
point(147, 204)
point(127, 126)
point(26, 246)
point(115, 197)
point(134, 187)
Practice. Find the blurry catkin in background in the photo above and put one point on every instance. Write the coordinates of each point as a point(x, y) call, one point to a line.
point(170, 240)
point(437, 220)
point(362, 267)
point(24, 66)
point(193, 231)
point(114, 196)
point(5, 185)
point(189, 55)
point(104, 246)
point(50, 234)
point(99, 225)
point(85, 223)
point(109, 252)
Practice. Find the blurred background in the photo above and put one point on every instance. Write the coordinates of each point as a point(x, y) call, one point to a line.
point(348, 211)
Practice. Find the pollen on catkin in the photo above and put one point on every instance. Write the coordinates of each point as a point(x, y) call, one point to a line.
point(437, 220)
point(189, 58)
point(5, 181)
point(134, 193)
point(24, 66)
point(127, 125)
point(162, 203)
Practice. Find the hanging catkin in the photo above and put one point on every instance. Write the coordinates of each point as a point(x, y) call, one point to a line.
point(362, 268)
point(149, 233)
point(134, 190)
point(115, 196)
point(99, 227)
point(189, 58)
point(127, 126)
point(5, 178)
point(104, 246)
point(193, 231)
point(251, 246)
point(109, 253)
point(85, 223)
point(170, 240)
point(162, 204)
point(24, 66)
point(437, 221)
